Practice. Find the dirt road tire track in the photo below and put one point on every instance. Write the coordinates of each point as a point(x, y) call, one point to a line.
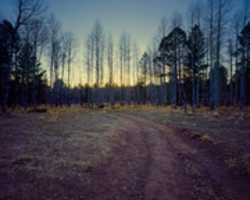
point(145, 165)
point(145, 161)
point(163, 167)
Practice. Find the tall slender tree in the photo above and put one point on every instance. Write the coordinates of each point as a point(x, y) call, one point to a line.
point(195, 60)
point(171, 49)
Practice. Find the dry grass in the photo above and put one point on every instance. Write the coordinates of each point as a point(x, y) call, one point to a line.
point(63, 139)
point(223, 111)
point(205, 138)
point(239, 164)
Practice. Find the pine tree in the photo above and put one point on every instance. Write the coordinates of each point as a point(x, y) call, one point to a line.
point(171, 49)
point(244, 41)
point(196, 51)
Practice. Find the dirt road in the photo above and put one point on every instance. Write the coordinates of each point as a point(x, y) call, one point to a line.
point(153, 162)
point(147, 161)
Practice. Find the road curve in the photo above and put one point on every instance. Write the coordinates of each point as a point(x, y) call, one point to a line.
point(152, 162)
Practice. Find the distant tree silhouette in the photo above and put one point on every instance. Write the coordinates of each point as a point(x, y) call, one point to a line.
point(244, 41)
point(8, 36)
point(201, 60)
point(196, 52)
point(171, 49)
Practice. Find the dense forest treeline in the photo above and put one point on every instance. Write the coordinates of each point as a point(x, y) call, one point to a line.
point(203, 61)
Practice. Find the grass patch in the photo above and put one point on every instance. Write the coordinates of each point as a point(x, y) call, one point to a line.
point(240, 165)
point(203, 138)
point(23, 160)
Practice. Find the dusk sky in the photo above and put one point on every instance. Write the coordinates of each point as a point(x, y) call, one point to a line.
point(140, 18)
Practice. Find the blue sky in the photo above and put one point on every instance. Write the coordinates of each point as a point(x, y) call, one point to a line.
point(140, 18)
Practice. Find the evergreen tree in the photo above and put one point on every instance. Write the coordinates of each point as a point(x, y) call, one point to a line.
point(8, 37)
point(196, 52)
point(171, 49)
point(244, 41)
point(28, 74)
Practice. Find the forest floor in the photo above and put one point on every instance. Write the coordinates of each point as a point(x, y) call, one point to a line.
point(143, 153)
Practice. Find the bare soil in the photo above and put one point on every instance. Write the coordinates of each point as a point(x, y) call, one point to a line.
point(111, 155)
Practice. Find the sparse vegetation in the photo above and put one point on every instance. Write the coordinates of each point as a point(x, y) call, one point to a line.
point(93, 114)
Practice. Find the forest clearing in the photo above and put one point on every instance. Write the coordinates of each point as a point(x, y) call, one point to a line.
point(141, 152)
point(125, 100)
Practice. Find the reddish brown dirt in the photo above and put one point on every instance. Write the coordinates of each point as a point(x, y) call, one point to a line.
point(184, 168)
point(148, 161)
